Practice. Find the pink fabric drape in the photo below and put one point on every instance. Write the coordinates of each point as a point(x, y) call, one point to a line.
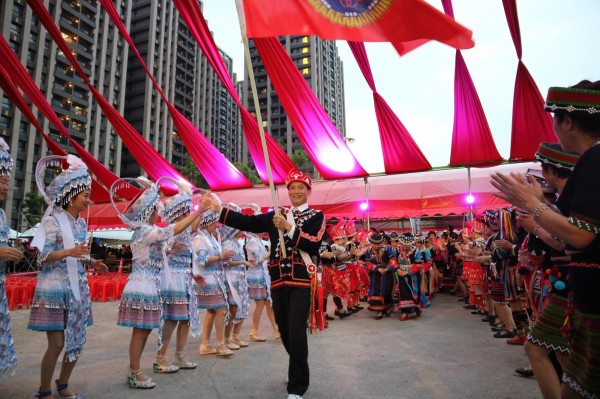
point(220, 174)
point(148, 158)
point(324, 145)
point(281, 164)
point(472, 141)
point(530, 124)
point(30, 88)
point(400, 152)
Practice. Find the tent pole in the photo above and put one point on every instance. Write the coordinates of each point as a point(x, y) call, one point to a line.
point(470, 205)
point(257, 112)
point(367, 201)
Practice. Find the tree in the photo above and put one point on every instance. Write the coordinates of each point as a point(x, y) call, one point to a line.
point(249, 173)
point(299, 157)
point(191, 172)
point(33, 207)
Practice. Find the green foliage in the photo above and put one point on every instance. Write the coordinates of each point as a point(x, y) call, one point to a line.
point(33, 207)
point(249, 173)
point(191, 172)
point(299, 157)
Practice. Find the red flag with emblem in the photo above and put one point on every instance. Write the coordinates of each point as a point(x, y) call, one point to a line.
point(395, 21)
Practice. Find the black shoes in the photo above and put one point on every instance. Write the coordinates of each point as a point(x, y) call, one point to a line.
point(342, 315)
point(524, 372)
point(327, 317)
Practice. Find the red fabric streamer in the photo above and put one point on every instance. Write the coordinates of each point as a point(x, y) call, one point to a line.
point(324, 145)
point(530, 124)
point(472, 141)
point(281, 164)
point(148, 158)
point(220, 174)
point(395, 139)
point(393, 21)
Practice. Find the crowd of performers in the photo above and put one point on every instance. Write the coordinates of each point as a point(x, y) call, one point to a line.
point(388, 271)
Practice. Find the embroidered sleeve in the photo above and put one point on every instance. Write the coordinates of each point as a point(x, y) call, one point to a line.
point(53, 240)
point(308, 237)
point(155, 234)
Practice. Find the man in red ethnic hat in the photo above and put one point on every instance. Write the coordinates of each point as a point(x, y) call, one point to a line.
point(291, 281)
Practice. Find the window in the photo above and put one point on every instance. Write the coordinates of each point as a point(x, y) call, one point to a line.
point(305, 61)
point(304, 50)
point(305, 71)
point(305, 39)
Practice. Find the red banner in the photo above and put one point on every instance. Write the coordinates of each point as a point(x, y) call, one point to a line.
point(355, 20)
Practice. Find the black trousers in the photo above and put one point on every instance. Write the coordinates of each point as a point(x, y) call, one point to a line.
point(291, 306)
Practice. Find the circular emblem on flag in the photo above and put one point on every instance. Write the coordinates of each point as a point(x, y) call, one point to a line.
point(351, 13)
point(311, 269)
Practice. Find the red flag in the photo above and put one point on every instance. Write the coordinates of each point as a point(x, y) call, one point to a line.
point(393, 21)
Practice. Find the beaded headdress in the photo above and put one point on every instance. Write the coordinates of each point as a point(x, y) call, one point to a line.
point(226, 231)
point(208, 217)
point(67, 184)
point(6, 161)
point(177, 205)
point(350, 228)
point(338, 230)
point(139, 208)
point(573, 100)
point(419, 239)
point(297, 176)
point(553, 154)
point(394, 236)
point(376, 238)
point(407, 239)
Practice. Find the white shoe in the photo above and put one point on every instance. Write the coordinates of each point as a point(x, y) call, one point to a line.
point(292, 396)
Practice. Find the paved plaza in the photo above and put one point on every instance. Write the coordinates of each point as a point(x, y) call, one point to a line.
point(447, 353)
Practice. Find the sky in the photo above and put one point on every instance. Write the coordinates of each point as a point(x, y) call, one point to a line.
point(561, 46)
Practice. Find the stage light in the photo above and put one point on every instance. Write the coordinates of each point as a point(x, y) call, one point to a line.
point(364, 206)
point(470, 199)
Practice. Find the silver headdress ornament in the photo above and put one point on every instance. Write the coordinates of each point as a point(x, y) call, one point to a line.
point(67, 184)
point(208, 217)
point(6, 161)
point(141, 206)
point(226, 231)
point(179, 204)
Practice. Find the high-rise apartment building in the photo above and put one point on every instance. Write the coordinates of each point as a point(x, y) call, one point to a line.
point(320, 64)
point(188, 81)
point(103, 57)
point(172, 56)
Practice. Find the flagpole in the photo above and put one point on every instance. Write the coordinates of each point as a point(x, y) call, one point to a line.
point(257, 112)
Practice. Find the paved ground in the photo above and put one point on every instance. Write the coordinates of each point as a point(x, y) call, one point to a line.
point(446, 354)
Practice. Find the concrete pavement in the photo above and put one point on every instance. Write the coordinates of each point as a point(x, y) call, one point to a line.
point(447, 353)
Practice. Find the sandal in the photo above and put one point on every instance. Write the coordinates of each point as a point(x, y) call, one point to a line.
point(237, 341)
point(230, 345)
point(403, 317)
point(206, 349)
point(276, 334)
point(184, 364)
point(44, 394)
point(379, 316)
point(505, 334)
point(159, 368)
point(139, 384)
point(62, 387)
point(254, 337)
point(223, 350)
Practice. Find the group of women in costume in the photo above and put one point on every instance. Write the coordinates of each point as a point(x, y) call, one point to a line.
point(177, 269)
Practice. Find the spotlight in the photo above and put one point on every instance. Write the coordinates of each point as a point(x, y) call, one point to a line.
point(470, 199)
point(364, 206)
